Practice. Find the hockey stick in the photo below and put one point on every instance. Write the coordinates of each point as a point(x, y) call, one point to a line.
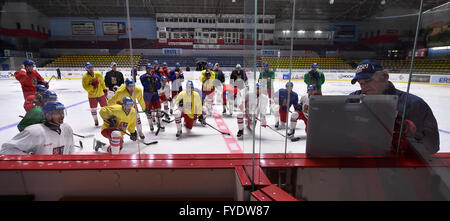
point(83, 136)
point(271, 128)
point(218, 130)
point(50, 79)
point(148, 143)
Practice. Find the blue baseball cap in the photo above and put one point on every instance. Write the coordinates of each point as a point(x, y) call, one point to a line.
point(155, 62)
point(177, 64)
point(266, 64)
point(366, 69)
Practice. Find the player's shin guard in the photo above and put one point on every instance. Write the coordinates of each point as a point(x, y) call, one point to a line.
point(240, 121)
point(94, 115)
point(139, 126)
point(177, 114)
point(115, 142)
point(294, 118)
point(150, 120)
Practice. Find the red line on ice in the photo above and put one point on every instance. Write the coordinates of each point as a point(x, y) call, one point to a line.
point(230, 141)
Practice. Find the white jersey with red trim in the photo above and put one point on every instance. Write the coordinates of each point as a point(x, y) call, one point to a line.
point(304, 100)
point(39, 139)
point(164, 90)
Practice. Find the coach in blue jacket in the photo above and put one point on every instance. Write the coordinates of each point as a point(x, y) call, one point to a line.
point(420, 122)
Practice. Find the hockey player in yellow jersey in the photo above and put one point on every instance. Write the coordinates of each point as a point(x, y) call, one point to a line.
point(129, 89)
point(116, 120)
point(207, 78)
point(191, 109)
point(95, 86)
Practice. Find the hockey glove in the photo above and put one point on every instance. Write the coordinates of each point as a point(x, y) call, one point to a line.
point(202, 119)
point(95, 82)
point(133, 136)
point(112, 121)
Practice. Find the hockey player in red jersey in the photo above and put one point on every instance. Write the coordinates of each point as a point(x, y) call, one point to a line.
point(31, 100)
point(29, 78)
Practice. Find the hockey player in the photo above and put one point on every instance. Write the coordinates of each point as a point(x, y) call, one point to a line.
point(238, 78)
point(156, 68)
point(95, 86)
point(32, 100)
point(113, 80)
point(117, 119)
point(151, 83)
point(255, 104)
point(129, 89)
point(219, 82)
point(29, 78)
point(316, 78)
point(164, 70)
point(164, 95)
point(301, 111)
point(281, 104)
point(176, 77)
point(192, 108)
point(207, 78)
point(34, 116)
point(229, 93)
point(266, 78)
point(51, 137)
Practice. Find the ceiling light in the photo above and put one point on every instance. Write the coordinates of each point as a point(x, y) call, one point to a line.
point(331, 2)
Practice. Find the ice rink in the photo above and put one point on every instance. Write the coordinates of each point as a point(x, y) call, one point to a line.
point(201, 139)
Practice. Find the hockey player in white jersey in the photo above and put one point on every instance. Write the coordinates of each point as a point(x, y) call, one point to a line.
point(51, 137)
point(253, 104)
point(164, 95)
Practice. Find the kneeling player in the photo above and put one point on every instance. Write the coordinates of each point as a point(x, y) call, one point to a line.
point(130, 90)
point(301, 111)
point(281, 104)
point(51, 137)
point(192, 108)
point(117, 119)
point(164, 95)
point(255, 104)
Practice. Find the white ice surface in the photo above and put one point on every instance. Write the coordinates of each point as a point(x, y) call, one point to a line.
point(200, 139)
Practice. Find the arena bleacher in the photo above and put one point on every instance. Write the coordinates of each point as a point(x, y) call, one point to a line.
point(78, 61)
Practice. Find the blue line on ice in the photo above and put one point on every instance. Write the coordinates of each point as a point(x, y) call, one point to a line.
point(15, 124)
